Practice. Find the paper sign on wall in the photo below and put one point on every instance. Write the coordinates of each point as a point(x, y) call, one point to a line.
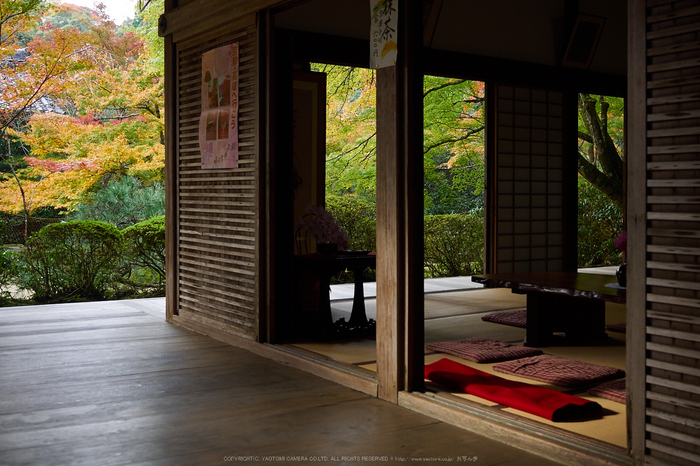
point(218, 123)
point(383, 33)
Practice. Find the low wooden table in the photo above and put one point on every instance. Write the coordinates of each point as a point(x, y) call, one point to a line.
point(325, 266)
point(568, 302)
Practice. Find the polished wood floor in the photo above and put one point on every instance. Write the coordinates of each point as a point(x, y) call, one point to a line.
point(112, 383)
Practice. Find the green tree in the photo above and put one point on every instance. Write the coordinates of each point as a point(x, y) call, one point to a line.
point(351, 130)
point(453, 135)
point(453, 144)
point(601, 130)
point(122, 202)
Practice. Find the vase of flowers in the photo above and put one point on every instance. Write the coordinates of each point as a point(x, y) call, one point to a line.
point(321, 225)
point(621, 244)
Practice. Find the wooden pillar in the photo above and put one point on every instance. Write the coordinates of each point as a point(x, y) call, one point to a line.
point(171, 173)
point(400, 212)
point(277, 214)
point(265, 297)
point(636, 159)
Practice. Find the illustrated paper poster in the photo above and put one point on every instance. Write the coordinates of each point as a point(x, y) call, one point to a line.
point(383, 33)
point(218, 124)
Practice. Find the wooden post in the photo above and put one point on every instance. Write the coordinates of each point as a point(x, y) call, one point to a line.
point(400, 212)
point(171, 174)
point(264, 295)
point(636, 159)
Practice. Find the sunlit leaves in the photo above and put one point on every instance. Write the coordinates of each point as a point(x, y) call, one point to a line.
point(453, 137)
point(71, 155)
point(104, 120)
point(351, 130)
point(453, 144)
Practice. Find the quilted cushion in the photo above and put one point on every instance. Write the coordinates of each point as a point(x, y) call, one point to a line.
point(483, 350)
point(615, 391)
point(559, 371)
point(513, 318)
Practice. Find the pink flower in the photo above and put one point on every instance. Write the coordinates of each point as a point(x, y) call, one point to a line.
point(621, 241)
point(323, 227)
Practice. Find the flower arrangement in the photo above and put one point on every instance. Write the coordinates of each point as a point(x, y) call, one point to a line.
point(621, 242)
point(323, 227)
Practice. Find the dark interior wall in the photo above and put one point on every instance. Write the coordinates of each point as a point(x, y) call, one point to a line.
point(517, 30)
point(522, 45)
point(532, 31)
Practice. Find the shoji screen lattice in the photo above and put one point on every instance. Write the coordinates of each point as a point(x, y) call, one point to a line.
point(529, 176)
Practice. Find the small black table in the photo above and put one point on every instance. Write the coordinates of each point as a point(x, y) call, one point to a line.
point(325, 266)
point(569, 302)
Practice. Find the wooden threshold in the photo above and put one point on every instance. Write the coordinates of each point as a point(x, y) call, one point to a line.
point(554, 444)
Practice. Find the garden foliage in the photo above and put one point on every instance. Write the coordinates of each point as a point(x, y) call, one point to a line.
point(599, 223)
point(123, 202)
point(454, 245)
point(357, 217)
point(145, 252)
point(88, 260)
point(72, 259)
point(7, 272)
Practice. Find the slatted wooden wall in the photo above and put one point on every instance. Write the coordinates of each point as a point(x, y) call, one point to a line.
point(216, 209)
point(529, 180)
point(673, 232)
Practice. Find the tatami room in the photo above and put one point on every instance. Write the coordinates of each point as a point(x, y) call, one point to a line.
point(453, 312)
point(454, 307)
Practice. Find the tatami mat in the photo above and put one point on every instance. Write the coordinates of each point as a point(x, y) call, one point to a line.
point(456, 315)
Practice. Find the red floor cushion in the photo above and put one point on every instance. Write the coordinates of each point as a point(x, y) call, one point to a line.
point(540, 401)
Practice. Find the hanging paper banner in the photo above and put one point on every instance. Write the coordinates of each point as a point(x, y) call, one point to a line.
point(383, 33)
point(218, 123)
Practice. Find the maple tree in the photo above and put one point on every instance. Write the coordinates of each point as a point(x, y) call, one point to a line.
point(453, 138)
point(30, 70)
point(71, 155)
point(453, 144)
point(350, 130)
point(106, 93)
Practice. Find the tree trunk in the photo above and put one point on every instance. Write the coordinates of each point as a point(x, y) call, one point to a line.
point(609, 177)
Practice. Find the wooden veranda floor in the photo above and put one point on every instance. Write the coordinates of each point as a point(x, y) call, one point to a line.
point(112, 383)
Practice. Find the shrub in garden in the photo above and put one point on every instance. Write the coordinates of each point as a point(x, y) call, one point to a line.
point(7, 274)
point(123, 202)
point(77, 259)
point(599, 223)
point(454, 245)
point(145, 252)
point(357, 217)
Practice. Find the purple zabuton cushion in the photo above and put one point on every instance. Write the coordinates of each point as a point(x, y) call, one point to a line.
point(483, 350)
point(559, 371)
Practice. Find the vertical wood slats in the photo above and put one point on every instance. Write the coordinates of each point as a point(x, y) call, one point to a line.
point(673, 232)
point(529, 173)
point(217, 208)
